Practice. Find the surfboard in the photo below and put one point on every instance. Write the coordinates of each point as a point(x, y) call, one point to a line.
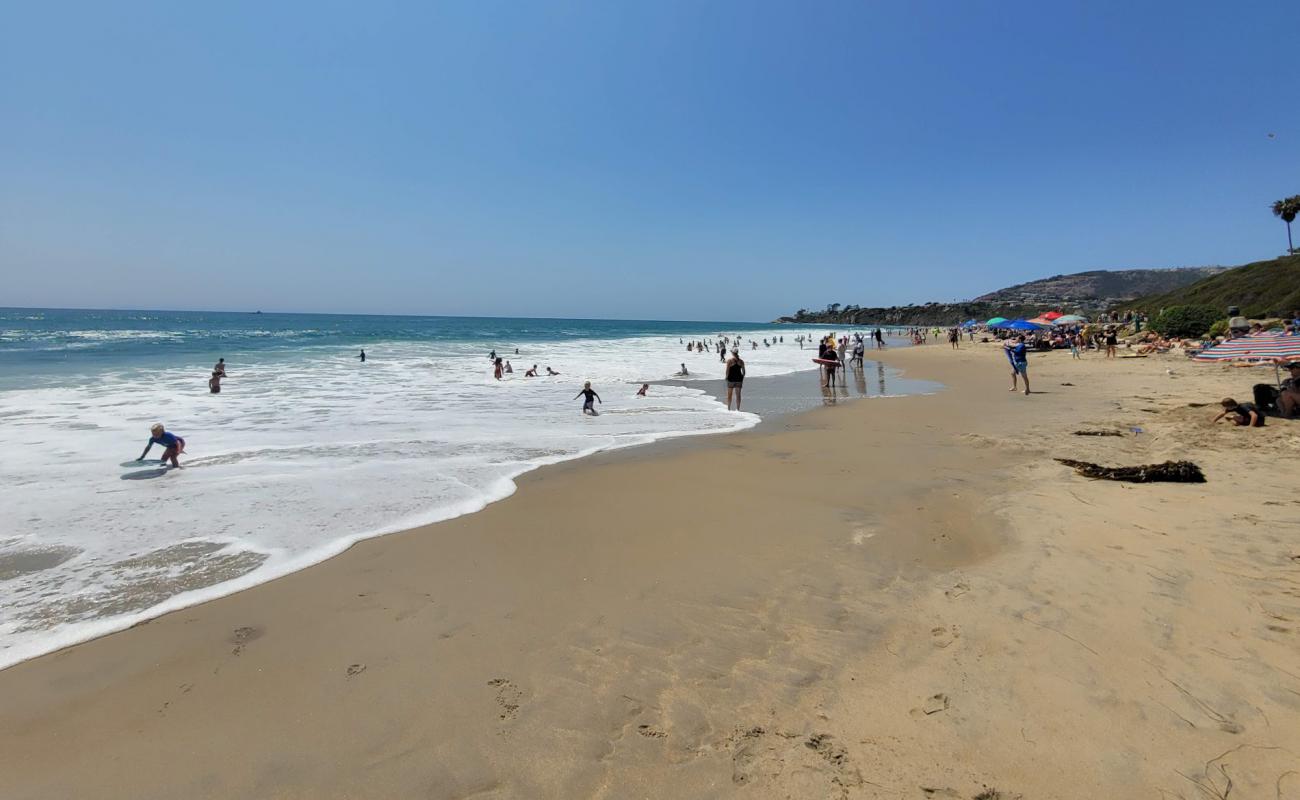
point(830, 362)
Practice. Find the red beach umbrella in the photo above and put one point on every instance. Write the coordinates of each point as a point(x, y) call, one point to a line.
point(1051, 315)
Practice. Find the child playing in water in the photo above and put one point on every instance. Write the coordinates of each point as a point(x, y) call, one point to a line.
point(645, 387)
point(174, 444)
point(590, 394)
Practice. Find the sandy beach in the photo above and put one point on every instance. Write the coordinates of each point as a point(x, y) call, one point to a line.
point(891, 597)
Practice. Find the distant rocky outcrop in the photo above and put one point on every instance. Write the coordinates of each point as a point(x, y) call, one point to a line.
point(1099, 288)
point(1082, 292)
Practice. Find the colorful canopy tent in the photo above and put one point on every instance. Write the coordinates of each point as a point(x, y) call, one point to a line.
point(1044, 321)
point(1069, 319)
point(996, 321)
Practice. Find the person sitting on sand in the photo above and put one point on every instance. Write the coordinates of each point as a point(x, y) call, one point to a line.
point(174, 444)
point(550, 371)
point(1288, 398)
point(1019, 361)
point(1243, 414)
point(214, 383)
point(645, 387)
point(590, 395)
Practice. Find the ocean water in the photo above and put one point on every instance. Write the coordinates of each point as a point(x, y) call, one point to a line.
point(305, 451)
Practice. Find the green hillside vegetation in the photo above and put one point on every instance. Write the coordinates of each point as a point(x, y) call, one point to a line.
point(1262, 289)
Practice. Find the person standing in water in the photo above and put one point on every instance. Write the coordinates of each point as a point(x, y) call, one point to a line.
point(220, 368)
point(497, 369)
point(174, 444)
point(214, 383)
point(363, 355)
point(645, 387)
point(590, 395)
point(735, 375)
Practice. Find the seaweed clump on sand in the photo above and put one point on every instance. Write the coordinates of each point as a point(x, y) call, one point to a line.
point(1171, 471)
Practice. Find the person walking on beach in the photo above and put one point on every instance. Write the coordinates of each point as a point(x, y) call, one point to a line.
point(954, 338)
point(735, 374)
point(1019, 361)
point(590, 395)
point(1112, 342)
point(174, 444)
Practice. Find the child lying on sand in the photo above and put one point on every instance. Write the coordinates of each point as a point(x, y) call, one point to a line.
point(1243, 414)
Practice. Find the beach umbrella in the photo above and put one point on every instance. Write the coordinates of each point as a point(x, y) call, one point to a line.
point(1051, 315)
point(996, 321)
point(1069, 319)
point(1266, 347)
point(970, 323)
point(1023, 325)
point(1044, 321)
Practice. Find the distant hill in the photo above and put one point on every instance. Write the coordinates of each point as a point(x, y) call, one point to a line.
point(1084, 292)
point(1261, 289)
point(1099, 288)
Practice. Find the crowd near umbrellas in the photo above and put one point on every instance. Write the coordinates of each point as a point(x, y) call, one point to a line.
point(1266, 347)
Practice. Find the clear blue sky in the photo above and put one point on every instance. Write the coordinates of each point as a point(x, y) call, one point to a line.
point(679, 160)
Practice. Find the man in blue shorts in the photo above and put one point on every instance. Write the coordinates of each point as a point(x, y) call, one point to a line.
point(1019, 361)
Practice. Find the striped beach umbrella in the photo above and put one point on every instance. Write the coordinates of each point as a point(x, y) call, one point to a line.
point(1268, 346)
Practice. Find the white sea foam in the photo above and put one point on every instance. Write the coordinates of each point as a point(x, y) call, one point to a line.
point(300, 456)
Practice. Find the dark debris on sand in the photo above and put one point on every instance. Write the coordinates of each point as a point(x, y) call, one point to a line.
point(1170, 471)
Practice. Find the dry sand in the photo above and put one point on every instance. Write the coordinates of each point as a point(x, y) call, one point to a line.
point(888, 598)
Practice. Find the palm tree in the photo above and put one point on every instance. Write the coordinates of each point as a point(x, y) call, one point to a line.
point(1288, 210)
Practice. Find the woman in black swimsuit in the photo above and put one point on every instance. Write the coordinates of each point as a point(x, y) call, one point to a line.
point(735, 377)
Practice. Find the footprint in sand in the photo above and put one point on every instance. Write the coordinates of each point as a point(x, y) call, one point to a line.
point(942, 637)
point(933, 704)
point(508, 697)
point(650, 732)
point(243, 636)
point(355, 670)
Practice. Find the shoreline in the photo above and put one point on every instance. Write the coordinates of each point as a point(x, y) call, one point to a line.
point(846, 601)
point(204, 594)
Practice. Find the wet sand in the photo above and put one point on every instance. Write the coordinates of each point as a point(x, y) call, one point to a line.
point(894, 597)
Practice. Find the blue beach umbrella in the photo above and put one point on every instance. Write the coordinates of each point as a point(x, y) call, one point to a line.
point(1023, 325)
